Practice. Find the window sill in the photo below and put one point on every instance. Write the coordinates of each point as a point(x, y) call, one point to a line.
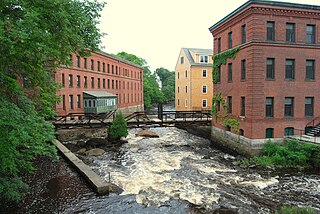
point(269, 79)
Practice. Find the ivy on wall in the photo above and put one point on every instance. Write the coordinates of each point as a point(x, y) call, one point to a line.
point(220, 59)
point(223, 118)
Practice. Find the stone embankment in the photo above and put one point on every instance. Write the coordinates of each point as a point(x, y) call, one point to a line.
point(98, 184)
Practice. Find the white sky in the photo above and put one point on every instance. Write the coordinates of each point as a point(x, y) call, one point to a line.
point(156, 30)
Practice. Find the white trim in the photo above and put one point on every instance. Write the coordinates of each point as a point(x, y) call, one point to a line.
point(206, 89)
point(206, 73)
point(205, 102)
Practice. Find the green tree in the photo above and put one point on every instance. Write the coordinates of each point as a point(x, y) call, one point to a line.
point(118, 128)
point(167, 79)
point(36, 37)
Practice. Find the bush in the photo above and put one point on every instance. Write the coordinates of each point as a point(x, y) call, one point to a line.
point(296, 210)
point(292, 154)
point(118, 128)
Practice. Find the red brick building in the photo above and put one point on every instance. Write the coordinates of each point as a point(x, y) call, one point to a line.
point(273, 84)
point(100, 72)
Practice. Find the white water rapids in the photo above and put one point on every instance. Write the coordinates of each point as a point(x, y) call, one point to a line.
point(181, 166)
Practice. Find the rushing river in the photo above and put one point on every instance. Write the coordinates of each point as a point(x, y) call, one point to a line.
point(175, 174)
point(181, 173)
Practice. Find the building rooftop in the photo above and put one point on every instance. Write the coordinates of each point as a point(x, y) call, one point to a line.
point(265, 2)
point(99, 94)
point(196, 51)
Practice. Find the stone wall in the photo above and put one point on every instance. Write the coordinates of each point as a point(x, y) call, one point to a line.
point(238, 144)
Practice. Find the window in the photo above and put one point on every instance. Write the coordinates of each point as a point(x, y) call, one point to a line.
point(243, 33)
point(182, 60)
point(241, 132)
point(117, 71)
point(186, 104)
point(204, 73)
point(270, 31)
point(243, 69)
point(204, 89)
point(290, 32)
point(289, 131)
point(219, 45)
point(85, 83)
point(269, 107)
point(270, 69)
point(186, 73)
point(310, 70)
point(269, 133)
point(78, 61)
point(99, 83)
point(92, 64)
point(289, 69)
point(186, 89)
point(229, 104)
point(64, 102)
point(70, 81)
point(229, 72)
point(98, 65)
point(104, 67)
point(203, 59)
point(178, 75)
point(288, 107)
point(92, 82)
point(218, 77)
point(71, 101)
point(178, 102)
point(78, 82)
point(104, 83)
point(79, 101)
point(85, 63)
point(218, 105)
point(62, 80)
point(230, 39)
point(112, 86)
point(243, 106)
point(310, 34)
point(108, 68)
point(308, 106)
point(70, 60)
point(178, 89)
point(112, 69)
point(204, 103)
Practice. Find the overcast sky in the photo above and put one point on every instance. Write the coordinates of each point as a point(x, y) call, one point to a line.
point(156, 30)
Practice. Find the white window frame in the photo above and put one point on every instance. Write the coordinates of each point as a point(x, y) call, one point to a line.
point(204, 59)
point(206, 91)
point(204, 71)
point(206, 102)
point(186, 103)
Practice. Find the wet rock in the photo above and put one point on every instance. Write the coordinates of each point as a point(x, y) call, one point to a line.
point(95, 152)
point(96, 142)
point(82, 151)
point(145, 133)
point(81, 143)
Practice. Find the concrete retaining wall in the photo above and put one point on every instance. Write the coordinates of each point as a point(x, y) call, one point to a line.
point(96, 182)
point(238, 144)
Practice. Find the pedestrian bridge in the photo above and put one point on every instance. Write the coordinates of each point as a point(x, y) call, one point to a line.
point(136, 119)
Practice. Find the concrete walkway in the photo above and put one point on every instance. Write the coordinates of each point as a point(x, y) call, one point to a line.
point(99, 185)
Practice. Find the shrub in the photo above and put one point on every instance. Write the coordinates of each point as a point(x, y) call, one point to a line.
point(118, 128)
point(296, 210)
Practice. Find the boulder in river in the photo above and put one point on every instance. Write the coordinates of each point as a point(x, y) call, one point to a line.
point(96, 142)
point(95, 152)
point(145, 133)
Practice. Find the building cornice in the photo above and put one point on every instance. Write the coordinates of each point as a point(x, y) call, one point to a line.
point(273, 7)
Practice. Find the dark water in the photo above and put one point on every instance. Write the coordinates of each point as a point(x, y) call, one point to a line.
point(176, 173)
